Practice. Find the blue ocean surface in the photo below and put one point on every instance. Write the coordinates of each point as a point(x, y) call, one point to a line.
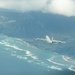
point(18, 56)
point(22, 54)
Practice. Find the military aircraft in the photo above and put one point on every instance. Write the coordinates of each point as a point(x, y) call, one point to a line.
point(50, 40)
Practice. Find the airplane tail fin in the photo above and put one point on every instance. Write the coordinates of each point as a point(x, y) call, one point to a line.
point(48, 39)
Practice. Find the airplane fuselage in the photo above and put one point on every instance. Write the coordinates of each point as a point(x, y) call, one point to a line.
point(48, 40)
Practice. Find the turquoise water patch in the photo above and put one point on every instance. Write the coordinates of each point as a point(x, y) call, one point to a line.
point(19, 55)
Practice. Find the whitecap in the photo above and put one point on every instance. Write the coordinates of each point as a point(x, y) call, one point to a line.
point(31, 55)
point(55, 62)
point(55, 67)
point(72, 68)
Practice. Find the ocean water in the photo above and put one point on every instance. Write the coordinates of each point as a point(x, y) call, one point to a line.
point(22, 54)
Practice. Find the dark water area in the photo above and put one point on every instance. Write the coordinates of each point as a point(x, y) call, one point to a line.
point(35, 24)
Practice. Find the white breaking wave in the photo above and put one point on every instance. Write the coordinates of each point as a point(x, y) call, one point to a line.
point(68, 59)
point(55, 67)
point(55, 62)
point(72, 68)
point(31, 55)
point(12, 46)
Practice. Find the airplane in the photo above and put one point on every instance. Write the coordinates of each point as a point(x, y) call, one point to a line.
point(48, 40)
